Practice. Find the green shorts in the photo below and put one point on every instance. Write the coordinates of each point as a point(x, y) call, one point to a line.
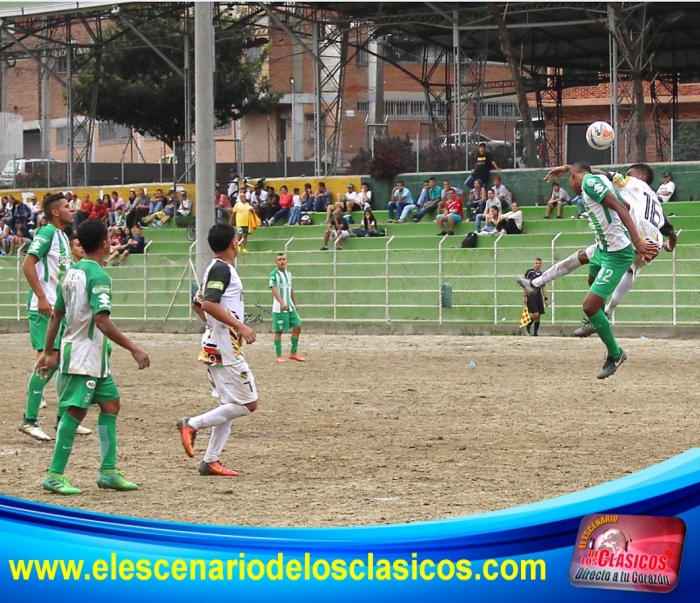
point(84, 390)
point(38, 325)
point(283, 321)
point(608, 268)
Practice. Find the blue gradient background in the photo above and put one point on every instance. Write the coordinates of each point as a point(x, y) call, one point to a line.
point(545, 530)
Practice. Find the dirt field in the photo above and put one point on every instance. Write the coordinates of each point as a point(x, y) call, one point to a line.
point(373, 429)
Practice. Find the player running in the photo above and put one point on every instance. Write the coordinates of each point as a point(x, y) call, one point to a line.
point(85, 299)
point(222, 303)
point(647, 212)
point(284, 309)
point(48, 259)
point(613, 254)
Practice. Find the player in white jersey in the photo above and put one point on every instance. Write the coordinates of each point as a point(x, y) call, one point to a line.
point(284, 309)
point(223, 305)
point(47, 261)
point(651, 223)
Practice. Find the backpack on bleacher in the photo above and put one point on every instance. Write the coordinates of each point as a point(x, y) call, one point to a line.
point(470, 240)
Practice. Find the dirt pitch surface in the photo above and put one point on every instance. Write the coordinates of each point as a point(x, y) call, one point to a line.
point(372, 430)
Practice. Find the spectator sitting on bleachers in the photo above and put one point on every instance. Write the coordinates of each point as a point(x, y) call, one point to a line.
point(6, 238)
point(363, 198)
point(319, 201)
point(476, 200)
point(140, 210)
point(34, 211)
point(120, 219)
point(491, 222)
point(116, 202)
point(558, 198)
point(162, 217)
point(100, 209)
point(511, 222)
point(307, 198)
point(491, 201)
point(156, 204)
point(135, 245)
point(270, 207)
point(19, 232)
point(286, 200)
point(118, 245)
point(454, 213)
point(369, 226)
point(295, 212)
point(400, 198)
point(433, 204)
point(338, 230)
point(345, 202)
point(184, 207)
point(429, 195)
point(667, 188)
point(502, 193)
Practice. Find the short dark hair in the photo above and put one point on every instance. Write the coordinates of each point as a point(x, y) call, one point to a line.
point(538, 259)
point(581, 166)
point(645, 170)
point(220, 237)
point(281, 254)
point(73, 237)
point(49, 202)
point(323, 184)
point(555, 183)
point(91, 233)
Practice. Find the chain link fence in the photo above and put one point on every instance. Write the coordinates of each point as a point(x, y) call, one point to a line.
point(387, 284)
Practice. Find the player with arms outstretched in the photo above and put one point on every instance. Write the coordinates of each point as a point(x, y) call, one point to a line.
point(223, 305)
point(48, 259)
point(613, 255)
point(85, 299)
point(652, 224)
point(284, 309)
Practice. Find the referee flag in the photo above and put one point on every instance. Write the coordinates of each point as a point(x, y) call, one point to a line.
point(525, 318)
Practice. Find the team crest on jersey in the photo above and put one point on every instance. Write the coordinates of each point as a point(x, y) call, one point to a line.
point(91, 384)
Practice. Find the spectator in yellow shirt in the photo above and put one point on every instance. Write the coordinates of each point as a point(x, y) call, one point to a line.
point(241, 213)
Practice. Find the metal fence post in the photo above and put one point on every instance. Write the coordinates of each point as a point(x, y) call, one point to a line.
point(386, 279)
point(19, 272)
point(495, 278)
point(335, 280)
point(287, 244)
point(442, 240)
point(145, 281)
point(673, 279)
point(551, 291)
point(191, 272)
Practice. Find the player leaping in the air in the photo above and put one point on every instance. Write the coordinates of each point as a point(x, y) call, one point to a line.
point(652, 224)
point(222, 303)
point(48, 259)
point(85, 299)
point(613, 255)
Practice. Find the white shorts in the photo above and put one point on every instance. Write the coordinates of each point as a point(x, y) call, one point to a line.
point(235, 384)
point(590, 250)
point(342, 234)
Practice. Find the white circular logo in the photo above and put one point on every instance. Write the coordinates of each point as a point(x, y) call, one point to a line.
point(90, 384)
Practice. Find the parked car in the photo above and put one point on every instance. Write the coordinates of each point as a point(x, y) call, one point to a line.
point(540, 136)
point(18, 172)
point(502, 150)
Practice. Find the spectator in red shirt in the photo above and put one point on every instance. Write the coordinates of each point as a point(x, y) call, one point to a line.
point(85, 210)
point(286, 201)
point(100, 210)
point(454, 214)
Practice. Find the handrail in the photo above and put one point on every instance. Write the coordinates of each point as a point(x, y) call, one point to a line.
point(495, 278)
point(552, 288)
point(386, 274)
point(442, 240)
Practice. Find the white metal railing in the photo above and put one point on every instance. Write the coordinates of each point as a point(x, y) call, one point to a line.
point(391, 283)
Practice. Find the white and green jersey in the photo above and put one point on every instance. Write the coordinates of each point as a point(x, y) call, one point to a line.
point(52, 248)
point(86, 291)
point(610, 234)
point(646, 210)
point(283, 282)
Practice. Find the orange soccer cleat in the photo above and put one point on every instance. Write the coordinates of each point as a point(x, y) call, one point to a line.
point(215, 468)
point(188, 434)
point(281, 359)
point(297, 358)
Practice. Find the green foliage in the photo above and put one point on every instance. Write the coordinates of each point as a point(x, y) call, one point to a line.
point(686, 143)
point(443, 159)
point(392, 156)
point(137, 88)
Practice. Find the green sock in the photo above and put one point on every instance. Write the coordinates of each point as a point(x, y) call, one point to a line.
point(107, 431)
point(64, 443)
point(35, 390)
point(295, 344)
point(601, 324)
point(278, 347)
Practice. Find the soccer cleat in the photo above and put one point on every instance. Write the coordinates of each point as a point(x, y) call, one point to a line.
point(526, 284)
point(586, 330)
point(243, 250)
point(281, 360)
point(611, 365)
point(59, 484)
point(111, 479)
point(297, 357)
point(215, 468)
point(43, 401)
point(324, 248)
point(31, 428)
point(188, 434)
point(79, 431)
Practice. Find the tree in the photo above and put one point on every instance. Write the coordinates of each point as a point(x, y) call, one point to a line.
point(139, 90)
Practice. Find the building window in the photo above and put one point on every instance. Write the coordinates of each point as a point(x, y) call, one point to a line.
point(62, 137)
point(412, 110)
point(110, 132)
point(310, 129)
point(60, 65)
point(362, 57)
point(362, 105)
point(254, 53)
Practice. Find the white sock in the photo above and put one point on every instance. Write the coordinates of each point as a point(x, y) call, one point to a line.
point(566, 266)
point(218, 416)
point(217, 441)
point(622, 289)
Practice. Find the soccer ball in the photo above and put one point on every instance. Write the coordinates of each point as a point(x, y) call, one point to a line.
point(306, 220)
point(600, 135)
